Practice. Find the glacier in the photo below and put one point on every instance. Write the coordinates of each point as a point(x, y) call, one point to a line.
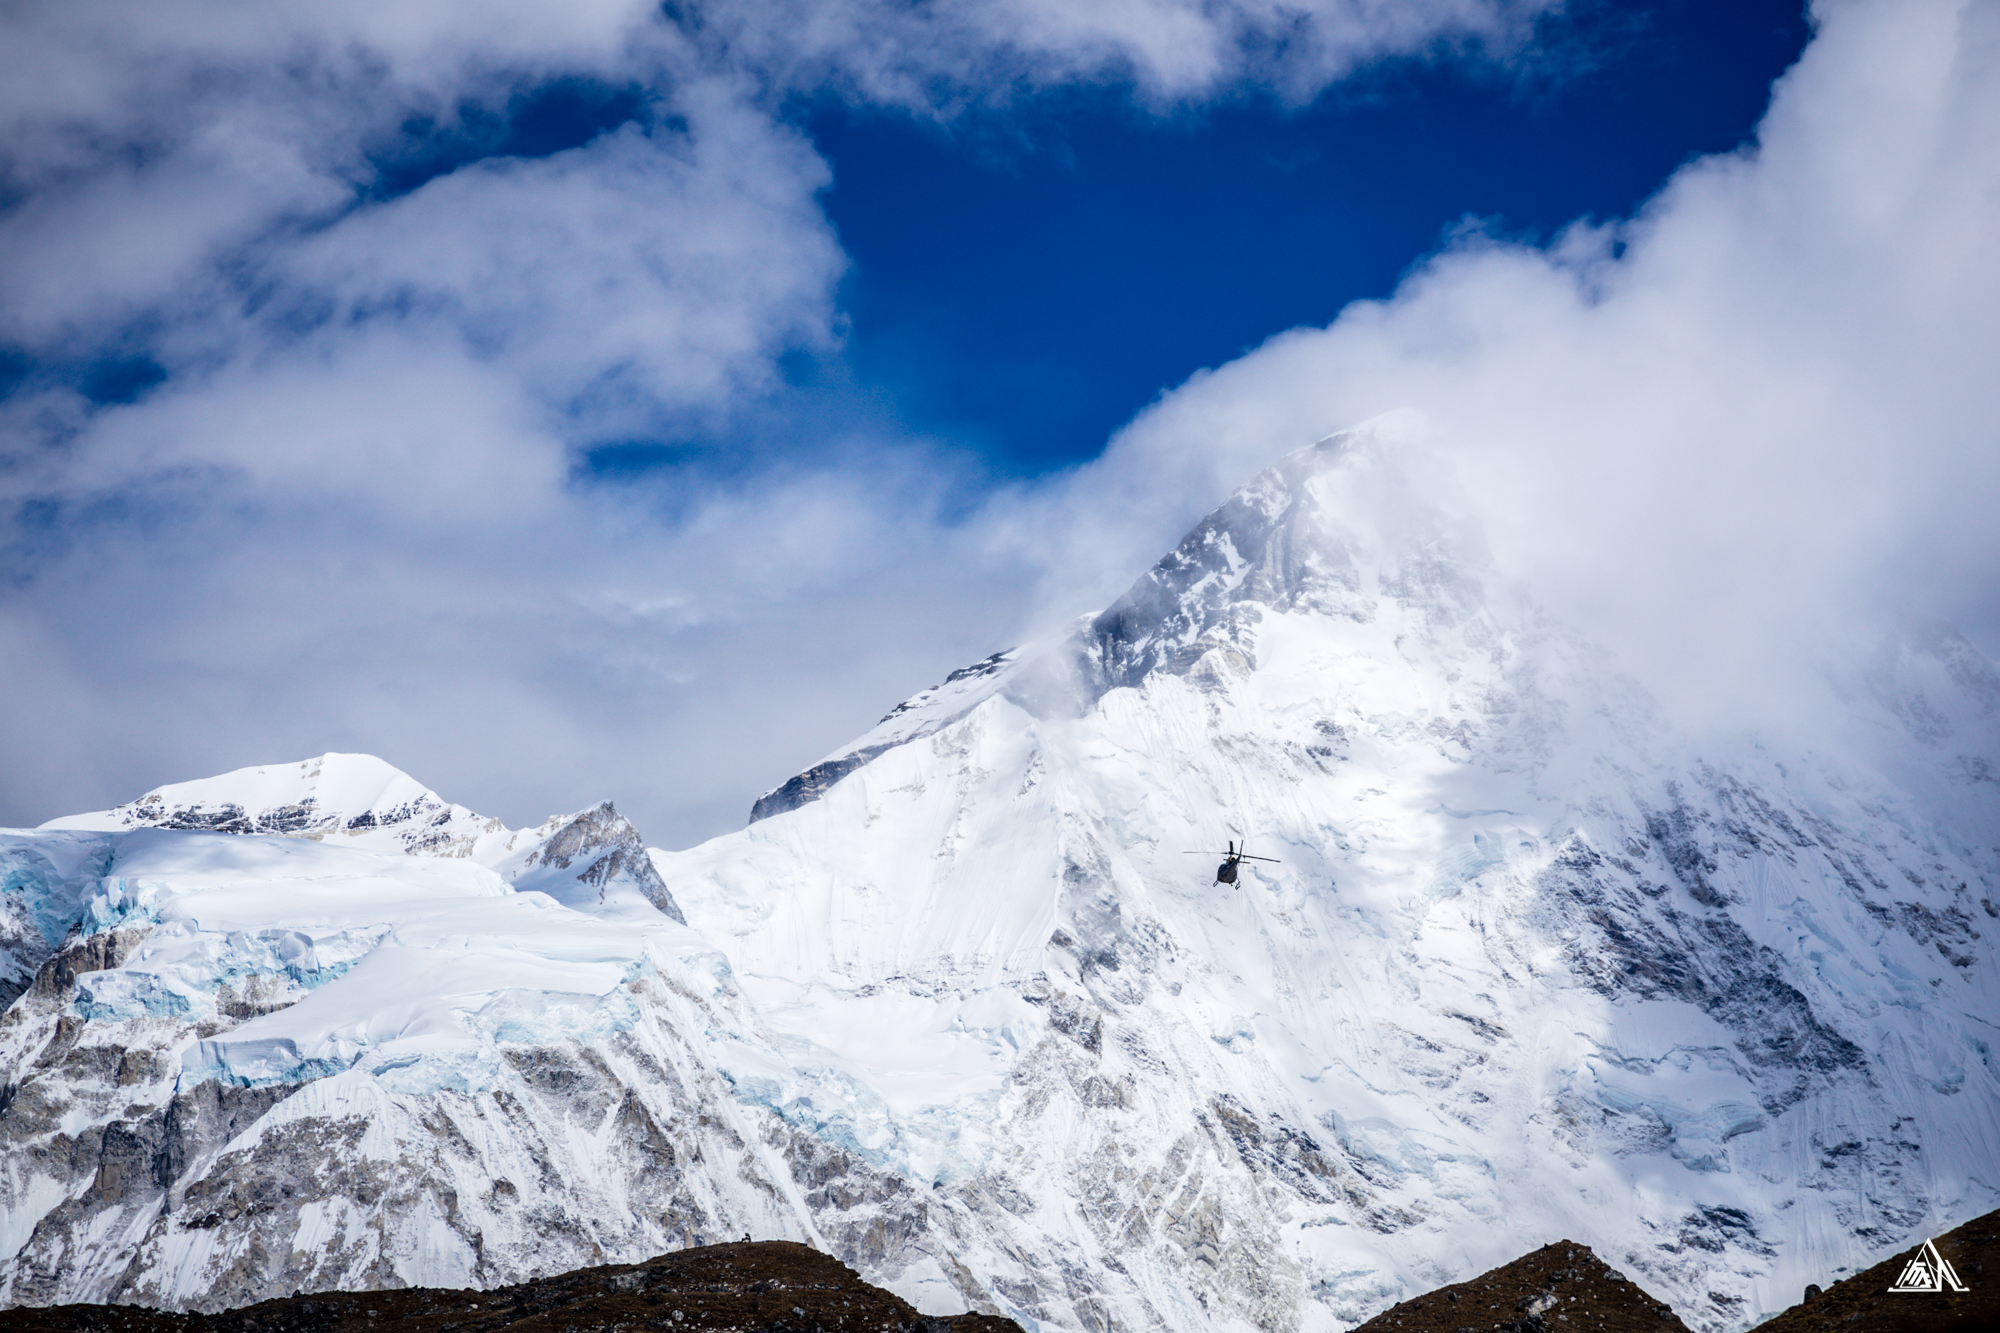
point(1534, 960)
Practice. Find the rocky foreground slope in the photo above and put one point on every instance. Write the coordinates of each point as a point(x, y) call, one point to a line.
point(780, 1287)
point(749, 1287)
point(1864, 1302)
point(1531, 962)
point(1561, 1284)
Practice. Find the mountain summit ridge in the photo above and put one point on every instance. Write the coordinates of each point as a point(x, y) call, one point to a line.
point(1273, 543)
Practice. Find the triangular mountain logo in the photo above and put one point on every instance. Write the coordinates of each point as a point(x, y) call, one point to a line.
point(1928, 1271)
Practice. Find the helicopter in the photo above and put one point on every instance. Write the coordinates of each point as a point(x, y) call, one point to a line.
point(1226, 872)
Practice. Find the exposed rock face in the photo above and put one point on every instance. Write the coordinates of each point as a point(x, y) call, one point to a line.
point(152, 1065)
point(595, 849)
point(1528, 963)
point(219, 1180)
point(810, 785)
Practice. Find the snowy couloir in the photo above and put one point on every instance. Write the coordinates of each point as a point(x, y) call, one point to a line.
point(956, 1006)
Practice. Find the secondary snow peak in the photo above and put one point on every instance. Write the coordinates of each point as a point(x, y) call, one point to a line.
point(350, 796)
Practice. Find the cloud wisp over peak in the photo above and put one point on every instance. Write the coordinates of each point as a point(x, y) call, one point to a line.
point(1744, 425)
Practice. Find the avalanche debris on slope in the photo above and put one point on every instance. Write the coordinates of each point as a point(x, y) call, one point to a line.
point(956, 1006)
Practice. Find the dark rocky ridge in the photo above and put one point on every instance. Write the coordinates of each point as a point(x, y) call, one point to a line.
point(1863, 1303)
point(1566, 1287)
point(1560, 1286)
point(754, 1287)
point(810, 785)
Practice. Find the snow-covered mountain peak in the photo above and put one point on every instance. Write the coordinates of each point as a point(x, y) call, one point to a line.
point(299, 974)
point(1529, 959)
point(355, 797)
point(1328, 530)
point(593, 860)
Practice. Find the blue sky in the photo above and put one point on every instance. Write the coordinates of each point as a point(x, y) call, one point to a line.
point(617, 400)
point(1023, 282)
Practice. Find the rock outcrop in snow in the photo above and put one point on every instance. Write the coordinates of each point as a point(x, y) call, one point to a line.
point(957, 1007)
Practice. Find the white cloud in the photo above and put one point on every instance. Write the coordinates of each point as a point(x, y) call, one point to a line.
point(675, 265)
point(947, 52)
point(350, 516)
point(144, 147)
point(1752, 422)
point(402, 571)
point(350, 519)
point(146, 152)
